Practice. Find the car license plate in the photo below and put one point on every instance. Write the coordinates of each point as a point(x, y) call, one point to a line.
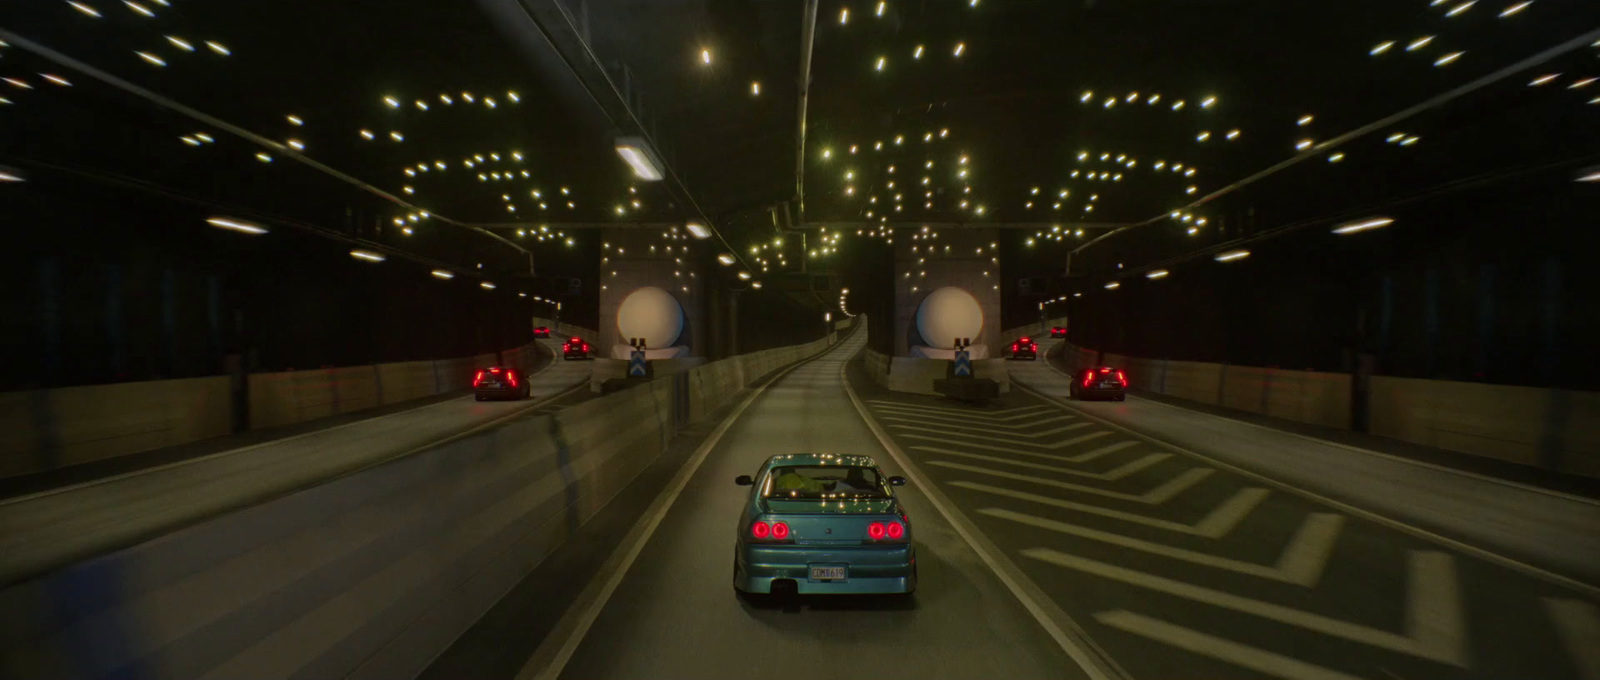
point(1110, 385)
point(827, 573)
point(492, 385)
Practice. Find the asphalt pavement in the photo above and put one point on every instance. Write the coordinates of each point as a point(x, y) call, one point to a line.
point(675, 614)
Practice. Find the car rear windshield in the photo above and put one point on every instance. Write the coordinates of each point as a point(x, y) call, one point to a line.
point(824, 481)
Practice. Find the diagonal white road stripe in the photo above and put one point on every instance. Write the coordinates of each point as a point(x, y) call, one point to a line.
point(1110, 475)
point(1057, 446)
point(1578, 624)
point(1301, 563)
point(990, 433)
point(967, 424)
point(1016, 413)
point(1160, 494)
point(1244, 656)
point(1435, 626)
point(1080, 458)
point(1221, 521)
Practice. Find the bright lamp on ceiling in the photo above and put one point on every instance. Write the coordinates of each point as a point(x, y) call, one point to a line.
point(637, 154)
point(698, 230)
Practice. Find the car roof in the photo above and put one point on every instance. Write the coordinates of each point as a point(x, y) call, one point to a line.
point(821, 459)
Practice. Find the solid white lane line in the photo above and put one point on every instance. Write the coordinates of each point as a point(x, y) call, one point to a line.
point(1055, 447)
point(1578, 624)
point(981, 427)
point(1434, 629)
point(1057, 623)
point(1156, 496)
point(992, 435)
point(1218, 523)
point(557, 648)
point(1276, 572)
point(1110, 476)
point(1244, 656)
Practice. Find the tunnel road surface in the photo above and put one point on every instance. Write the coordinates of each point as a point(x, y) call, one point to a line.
point(675, 615)
point(48, 529)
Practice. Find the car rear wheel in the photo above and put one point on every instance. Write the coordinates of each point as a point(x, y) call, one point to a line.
point(479, 397)
point(1122, 397)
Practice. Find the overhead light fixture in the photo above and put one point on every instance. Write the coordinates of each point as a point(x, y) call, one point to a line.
point(1363, 225)
point(232, 224)
point(1232, 255)
point(1113, 285)
point(443, 274)
point(486, 285)
point(744, 276)
point(637, 154)
point(367, 255)
point(698, 230)
point(1157, 274)
point(8, 174)
point(1515, 9)
point(726, 259)
point(1586, 175)
point(756, 285)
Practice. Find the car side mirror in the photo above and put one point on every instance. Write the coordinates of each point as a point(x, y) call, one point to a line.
point(743, 480)
point(897, 481)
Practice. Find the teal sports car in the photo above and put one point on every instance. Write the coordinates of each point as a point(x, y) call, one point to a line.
point(819, 523)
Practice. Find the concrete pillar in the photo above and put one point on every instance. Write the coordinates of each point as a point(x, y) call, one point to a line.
point(633, 258)
point(925, 261)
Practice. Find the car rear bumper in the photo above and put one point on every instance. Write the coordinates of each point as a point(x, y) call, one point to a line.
point(871, 569)
point(574, 355)
point(500, 392)
point(1091, 392)
point(1025, 355)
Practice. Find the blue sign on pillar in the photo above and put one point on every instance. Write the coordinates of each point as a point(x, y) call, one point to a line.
point(963, 366)
point(636, 365)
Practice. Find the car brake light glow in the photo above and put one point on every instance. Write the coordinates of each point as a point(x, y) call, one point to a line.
point(875, 531)
point(495, 369)
point(780, 531)
point(477, 379)
point(897, 530)
point(1122, 379)
point(1088, 378)
point(586, 347)
point(512, 377)
point(1105, 370)
point(760, 530)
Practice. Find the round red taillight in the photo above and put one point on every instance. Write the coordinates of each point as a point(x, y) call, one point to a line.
point(875, 531)
point(897, 530)
point(760, 529)
point(780, 530)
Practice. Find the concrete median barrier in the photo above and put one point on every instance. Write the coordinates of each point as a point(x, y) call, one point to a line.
point(368, 575)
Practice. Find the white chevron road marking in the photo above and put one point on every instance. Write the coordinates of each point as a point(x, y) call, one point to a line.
point(1110, 475)
point(1578, 624)
point(1435, 626)
point(990, 433)
point(1301, 563)
point(1221, 521)
point(1160, 494)
point(1056, 446)
point(1244, 656)
point(971, 426)
point(1017, 413)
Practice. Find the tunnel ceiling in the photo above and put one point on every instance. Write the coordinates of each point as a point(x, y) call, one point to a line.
point(1091, 114)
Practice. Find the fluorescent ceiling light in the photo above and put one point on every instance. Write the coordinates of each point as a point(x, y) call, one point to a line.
point(443, 274)
point(1363, 225)
point(8, 174)
point(1113, 285)
point(698, 230)
point(637, 155)
point(236, 225)
point(725, 258)
point(1157, 274)
point(1232, 255)
point(367, 255)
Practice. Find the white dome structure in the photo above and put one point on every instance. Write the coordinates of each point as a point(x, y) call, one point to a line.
point(653, 314)
point(946, 314)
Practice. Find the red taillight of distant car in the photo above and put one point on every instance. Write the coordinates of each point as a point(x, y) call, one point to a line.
point(512, 377)
point(477, 379)
point(1088, 379)
point(1122, 379)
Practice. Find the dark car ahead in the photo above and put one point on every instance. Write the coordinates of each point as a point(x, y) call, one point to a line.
point(541, 332)
point(1025, 348)
point(1058, 331)
point(1103, 382)
point(574, 348)
point(500, 382)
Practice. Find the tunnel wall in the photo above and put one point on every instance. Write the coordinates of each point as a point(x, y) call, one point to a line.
point(1557, 430)
point(633, 258)
point(56, 428)
point(959, 258)
point(369, 575)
